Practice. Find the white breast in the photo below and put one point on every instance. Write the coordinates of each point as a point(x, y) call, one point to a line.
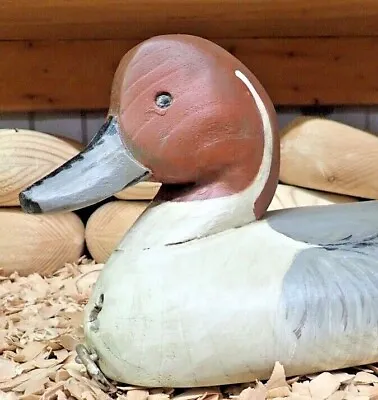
point(194, 314)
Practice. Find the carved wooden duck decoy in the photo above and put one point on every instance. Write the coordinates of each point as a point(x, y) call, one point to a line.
point(207, 288)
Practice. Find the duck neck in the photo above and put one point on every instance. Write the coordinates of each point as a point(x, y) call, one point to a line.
point(198, 215)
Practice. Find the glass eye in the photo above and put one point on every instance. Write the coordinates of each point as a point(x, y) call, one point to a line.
point(163, 99)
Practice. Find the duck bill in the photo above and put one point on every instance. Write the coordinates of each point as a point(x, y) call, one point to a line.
point(105, 167)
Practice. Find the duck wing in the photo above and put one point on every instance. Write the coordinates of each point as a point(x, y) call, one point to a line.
point(330, 292)
point(333, 226)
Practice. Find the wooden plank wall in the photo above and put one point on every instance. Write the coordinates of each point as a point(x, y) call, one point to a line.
point(121, 19)
point(62, 55)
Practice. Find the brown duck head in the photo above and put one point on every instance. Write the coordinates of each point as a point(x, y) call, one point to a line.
point(183, 112)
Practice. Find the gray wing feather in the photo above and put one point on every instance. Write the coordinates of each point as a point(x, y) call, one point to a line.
point(324, 225)
point(330, 293)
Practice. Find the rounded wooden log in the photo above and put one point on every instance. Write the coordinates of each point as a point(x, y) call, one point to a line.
point(287, 196)
point(38, 243)
point(108, 224)
point(326, 155)
point(26, 156)
point(141, 191)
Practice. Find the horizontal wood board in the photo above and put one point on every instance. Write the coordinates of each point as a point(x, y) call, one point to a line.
point(121, 19)
point(73, 75)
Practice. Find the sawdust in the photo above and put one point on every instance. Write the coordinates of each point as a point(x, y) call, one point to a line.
point(40, 326)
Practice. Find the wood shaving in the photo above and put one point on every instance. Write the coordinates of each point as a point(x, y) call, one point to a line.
point(41, 324)
point(323, 386)
point(365, 377)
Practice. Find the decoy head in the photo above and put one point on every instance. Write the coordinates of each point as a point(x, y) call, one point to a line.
point(183, 112)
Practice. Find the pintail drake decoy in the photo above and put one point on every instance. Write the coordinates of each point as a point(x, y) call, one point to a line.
point(208, 288)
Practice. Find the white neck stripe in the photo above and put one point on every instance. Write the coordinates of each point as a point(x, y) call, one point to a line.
point(266, 162)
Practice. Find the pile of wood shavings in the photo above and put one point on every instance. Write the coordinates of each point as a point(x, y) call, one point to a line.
point(40, 325)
